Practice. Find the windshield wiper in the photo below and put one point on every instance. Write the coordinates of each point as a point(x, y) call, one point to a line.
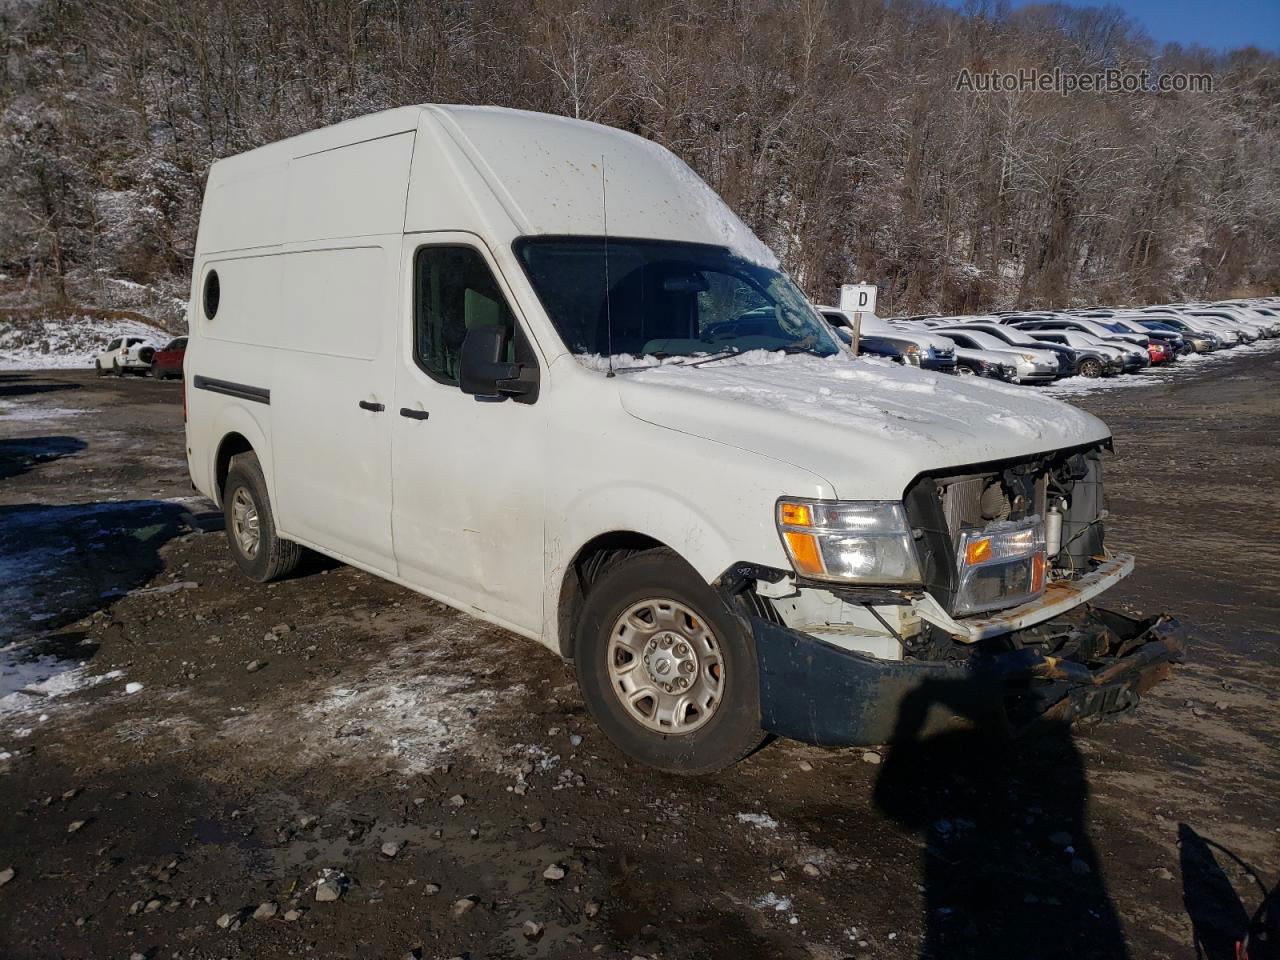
point(804, 346)
point(681, 363)
point(722, 355)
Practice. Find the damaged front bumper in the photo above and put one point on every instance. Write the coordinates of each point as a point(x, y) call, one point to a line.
point(1088, 662)
point(1059, 597)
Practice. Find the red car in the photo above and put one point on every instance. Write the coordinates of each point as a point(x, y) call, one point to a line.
point(167, 361)
point(1158, 351)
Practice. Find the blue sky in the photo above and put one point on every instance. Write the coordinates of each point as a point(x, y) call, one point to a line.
point(1218, 26)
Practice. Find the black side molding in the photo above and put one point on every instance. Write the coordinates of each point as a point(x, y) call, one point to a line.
point(240, 390)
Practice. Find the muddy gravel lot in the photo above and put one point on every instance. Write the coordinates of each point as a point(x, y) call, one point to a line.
point(196, 766)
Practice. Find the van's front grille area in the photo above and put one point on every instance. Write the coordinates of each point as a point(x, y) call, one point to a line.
point(946, 512)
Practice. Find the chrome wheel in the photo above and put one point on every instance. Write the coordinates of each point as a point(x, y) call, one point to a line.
point(244, 522)
point(665, 666)
point(964, 371)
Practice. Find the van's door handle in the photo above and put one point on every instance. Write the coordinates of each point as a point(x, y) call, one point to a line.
point(414, 414)
point(370, 405)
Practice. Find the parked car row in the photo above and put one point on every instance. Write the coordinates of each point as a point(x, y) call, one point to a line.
point(136, 355)
point(1041, 346)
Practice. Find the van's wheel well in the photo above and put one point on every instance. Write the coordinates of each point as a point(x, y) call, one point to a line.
point(592, 560)
point(232, 445)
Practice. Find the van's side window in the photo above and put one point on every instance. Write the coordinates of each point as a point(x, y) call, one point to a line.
point(454, 290)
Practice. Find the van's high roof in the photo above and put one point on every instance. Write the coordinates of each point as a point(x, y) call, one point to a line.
point(492, 171)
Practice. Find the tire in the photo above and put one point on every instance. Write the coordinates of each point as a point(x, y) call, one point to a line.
point(245, 505)
point(154, 372)
point(695, 619)
point(116, 368)
point(1091, 368)
point(97, 369)
point(963, 371)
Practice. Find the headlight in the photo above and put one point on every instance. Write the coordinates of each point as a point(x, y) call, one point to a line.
point(864, 541)
point(1029, 357)
point(1000, 566)
point(912, 353)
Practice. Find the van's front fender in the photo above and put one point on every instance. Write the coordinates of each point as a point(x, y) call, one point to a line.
point(648, 511)
point(710, 533)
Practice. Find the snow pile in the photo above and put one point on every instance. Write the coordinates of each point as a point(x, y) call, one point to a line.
point(28, 681)
point(1164, 373)
point(1080, 386)
point(760, 820)
point(44, 341)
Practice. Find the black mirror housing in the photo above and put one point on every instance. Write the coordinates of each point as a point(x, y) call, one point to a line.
point(483, 370)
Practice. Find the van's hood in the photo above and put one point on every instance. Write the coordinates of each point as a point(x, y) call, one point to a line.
point(868, 427)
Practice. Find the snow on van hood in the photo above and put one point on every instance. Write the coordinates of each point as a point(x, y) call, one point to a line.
point(868, 427)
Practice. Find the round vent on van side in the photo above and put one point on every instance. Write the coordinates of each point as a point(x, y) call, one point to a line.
point(212, 294)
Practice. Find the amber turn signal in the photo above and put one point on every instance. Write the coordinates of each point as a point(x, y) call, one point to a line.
point(977, 551)
point(795, 514)
point(804, 553)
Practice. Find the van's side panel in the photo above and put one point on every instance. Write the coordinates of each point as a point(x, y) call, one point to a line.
point(305, 236)
point(333, 481)
point(233, 347)
point(338, 273)
point(349, 191)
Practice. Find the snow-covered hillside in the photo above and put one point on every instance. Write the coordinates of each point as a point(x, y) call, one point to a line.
point(44, 341)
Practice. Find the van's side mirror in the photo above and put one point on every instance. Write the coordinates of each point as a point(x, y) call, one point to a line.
point(483, 370)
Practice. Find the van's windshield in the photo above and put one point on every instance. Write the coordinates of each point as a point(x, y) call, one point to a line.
point(666, 299)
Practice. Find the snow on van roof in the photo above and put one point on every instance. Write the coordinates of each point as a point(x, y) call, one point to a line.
point(549, 174)
point(547, 171)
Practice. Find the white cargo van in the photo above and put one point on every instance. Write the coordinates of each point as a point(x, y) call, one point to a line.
point(534, 368)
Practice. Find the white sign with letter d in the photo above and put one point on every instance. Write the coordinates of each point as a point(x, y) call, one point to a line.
point(858, 297)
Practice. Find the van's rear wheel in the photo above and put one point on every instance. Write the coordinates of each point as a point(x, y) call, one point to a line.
point(251, 530)
point(665, 668)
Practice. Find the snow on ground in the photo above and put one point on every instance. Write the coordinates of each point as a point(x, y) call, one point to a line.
point(30, 681)
point(406, 703)
point(1151, 376)
point(14, 411)
point(44, 342)
point(761, 820)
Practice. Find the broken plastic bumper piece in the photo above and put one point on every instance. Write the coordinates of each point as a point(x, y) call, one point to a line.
point(1086, 662)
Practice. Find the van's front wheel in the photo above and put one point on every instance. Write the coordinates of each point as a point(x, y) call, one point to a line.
point(258, 550)
point(665, 668)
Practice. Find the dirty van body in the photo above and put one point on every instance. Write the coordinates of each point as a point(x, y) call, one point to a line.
point(535, 369)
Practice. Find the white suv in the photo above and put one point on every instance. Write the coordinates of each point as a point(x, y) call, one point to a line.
point(125, 353)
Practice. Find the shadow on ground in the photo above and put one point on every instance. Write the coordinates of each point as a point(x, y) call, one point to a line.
point(20, 455)
point(59, 564)
point(1223, 928)
point(1009, 869)
point(8, 390)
